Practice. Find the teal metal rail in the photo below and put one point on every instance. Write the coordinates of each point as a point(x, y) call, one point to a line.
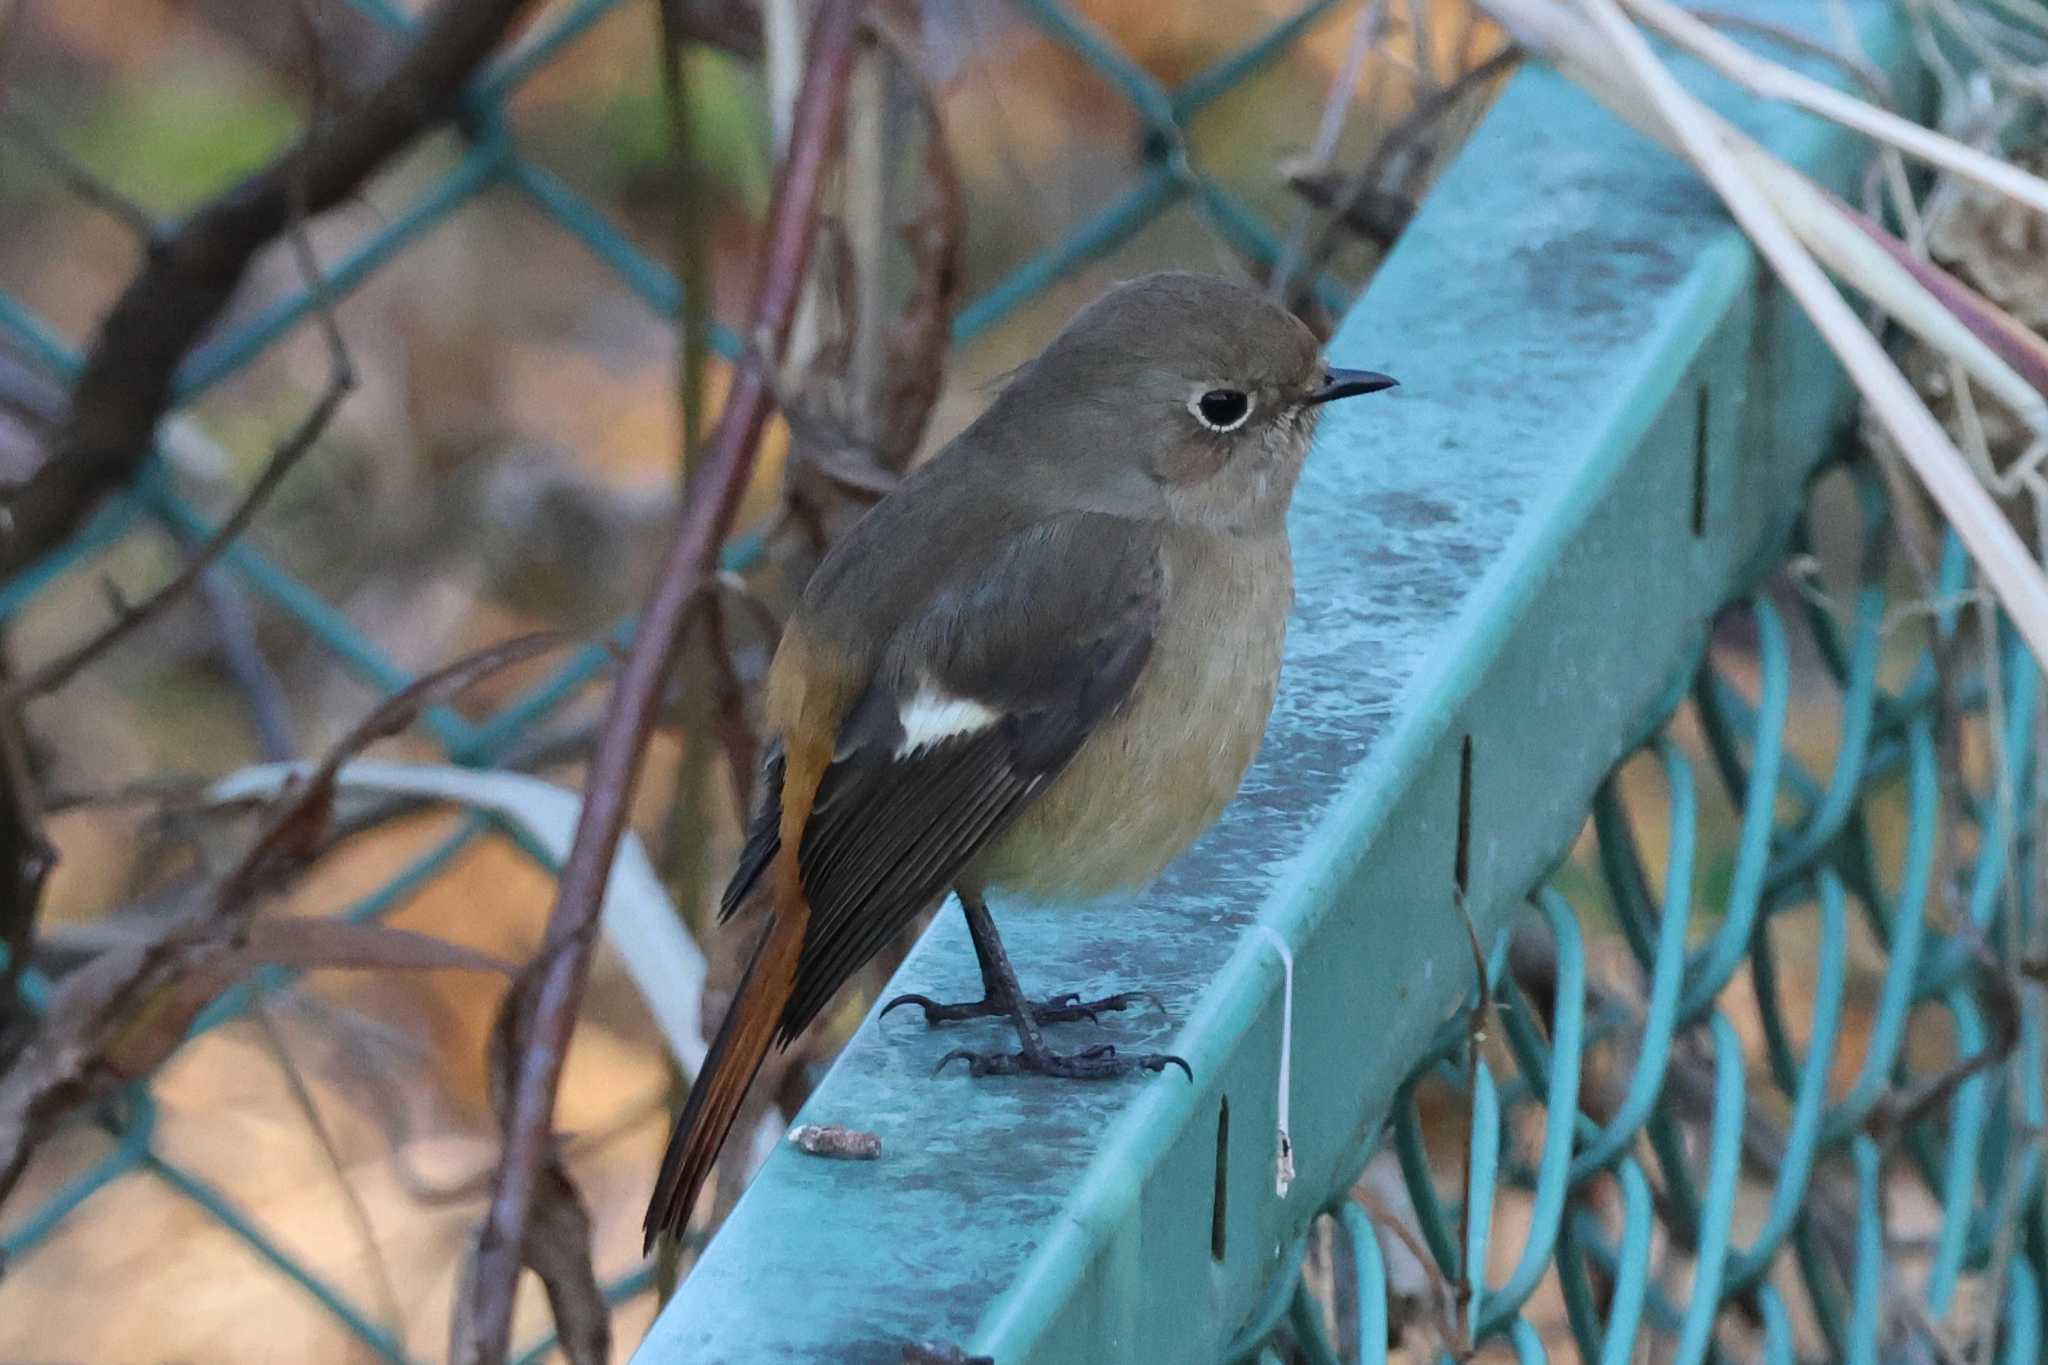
point(1507, 578)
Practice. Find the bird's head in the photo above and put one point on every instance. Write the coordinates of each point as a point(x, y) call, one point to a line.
point(1175, 396)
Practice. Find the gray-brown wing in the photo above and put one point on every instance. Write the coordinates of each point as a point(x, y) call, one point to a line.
point(982, 698)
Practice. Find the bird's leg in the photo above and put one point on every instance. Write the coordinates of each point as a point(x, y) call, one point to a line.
point(1033, 1057)
point(988, 951)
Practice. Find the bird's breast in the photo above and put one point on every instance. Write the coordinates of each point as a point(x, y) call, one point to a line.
point(1162, 769)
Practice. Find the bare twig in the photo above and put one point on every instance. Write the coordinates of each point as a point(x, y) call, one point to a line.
point(1776, 82)
point(2024, 351)
point(1901, 1108)
point(916, 344)
point(1446, 1317)
point(549, 996)
point(242, 658)
point(1365, 33)
point(1855, 65)
point(557, 1232)
point(1345, 202)
point(110, 1019)
point(74, 176)
point(125, 385)
point(283, 459)
point(26, 857)
point(330, 1152)
point(685, 852)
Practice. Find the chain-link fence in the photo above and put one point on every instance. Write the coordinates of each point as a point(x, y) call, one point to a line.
point(1872, 1190)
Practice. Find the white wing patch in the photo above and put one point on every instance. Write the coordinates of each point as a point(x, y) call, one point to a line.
point(931, 717)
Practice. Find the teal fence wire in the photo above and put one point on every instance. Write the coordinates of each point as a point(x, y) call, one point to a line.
point(1850, 1197)
point(1166, 177)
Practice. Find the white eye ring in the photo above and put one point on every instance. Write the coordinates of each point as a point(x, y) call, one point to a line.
point(1208, 399)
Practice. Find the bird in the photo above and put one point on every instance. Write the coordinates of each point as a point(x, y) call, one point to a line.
point(1040, 666)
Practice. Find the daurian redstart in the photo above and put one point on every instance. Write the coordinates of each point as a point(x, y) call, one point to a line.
point(1040, 666)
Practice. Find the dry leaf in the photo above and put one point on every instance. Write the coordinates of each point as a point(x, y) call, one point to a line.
point(1997, 246)
point(127, 1009)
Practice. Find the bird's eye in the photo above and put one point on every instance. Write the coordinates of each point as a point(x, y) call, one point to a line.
point(1222, 409)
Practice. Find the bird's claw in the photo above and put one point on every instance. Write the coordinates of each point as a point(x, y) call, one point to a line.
point(934, 1012)
point(1102, 1062)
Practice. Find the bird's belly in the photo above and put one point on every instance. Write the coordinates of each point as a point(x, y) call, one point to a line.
point(1143, 787)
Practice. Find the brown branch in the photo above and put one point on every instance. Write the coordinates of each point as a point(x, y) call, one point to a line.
point(857, 427)
point(1379, 216)
point(122, 1012)
point(26, 855)
point(548, 995)
point(1904, 1106)
point(192, 272)
point(340, 380)
point(917, 343)
point(1349, 199)
point(26, 858)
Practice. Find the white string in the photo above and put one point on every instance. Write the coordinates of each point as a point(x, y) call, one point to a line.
point(1283, 1162)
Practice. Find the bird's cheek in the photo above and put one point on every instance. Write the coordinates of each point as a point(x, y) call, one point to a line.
point(1191, 462)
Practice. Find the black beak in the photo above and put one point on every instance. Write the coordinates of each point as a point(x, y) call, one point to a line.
point(1348, 384)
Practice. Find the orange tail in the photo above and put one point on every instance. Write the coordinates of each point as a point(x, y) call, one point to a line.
point(729, 1068)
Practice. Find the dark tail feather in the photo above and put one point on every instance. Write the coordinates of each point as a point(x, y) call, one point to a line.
point(729, 1068)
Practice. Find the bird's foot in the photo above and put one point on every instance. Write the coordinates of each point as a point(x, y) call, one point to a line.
point(1096, 1063)
point(1060, 1009)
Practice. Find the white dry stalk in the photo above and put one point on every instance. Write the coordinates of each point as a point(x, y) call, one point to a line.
point(1365, 34)
point(870, 192)
point(1826, 231)
point(1849, 252)
point(785, 39)
point(1614, 62)
point(1994, 58)
point(784, 26)
point(1775, 82)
